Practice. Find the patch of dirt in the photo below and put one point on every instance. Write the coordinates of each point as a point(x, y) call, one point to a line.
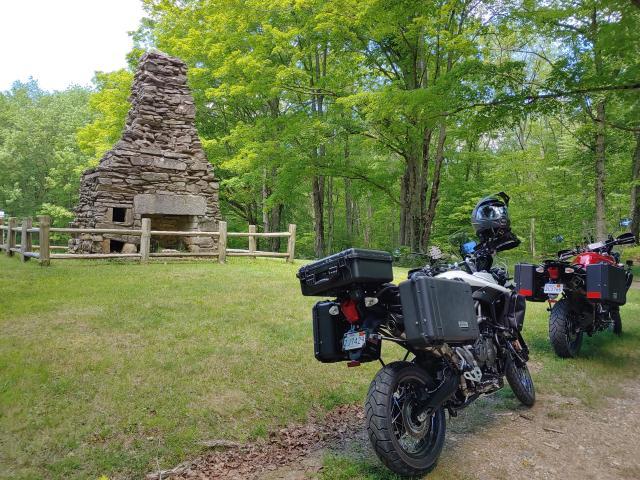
point(297, 448)
point(557, 438)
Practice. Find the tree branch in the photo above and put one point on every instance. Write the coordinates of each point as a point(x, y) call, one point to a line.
point(529, 99)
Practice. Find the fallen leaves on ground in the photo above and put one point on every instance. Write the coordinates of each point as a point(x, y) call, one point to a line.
point(282, 447)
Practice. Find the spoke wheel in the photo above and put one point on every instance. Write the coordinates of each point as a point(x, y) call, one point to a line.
point(520, 381)
point(407, 440)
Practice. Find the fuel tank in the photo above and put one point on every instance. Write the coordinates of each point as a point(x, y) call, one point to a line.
point(593, 258)
point(478, 279)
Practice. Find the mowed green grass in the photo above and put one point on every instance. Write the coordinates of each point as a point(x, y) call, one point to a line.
point(120, 368)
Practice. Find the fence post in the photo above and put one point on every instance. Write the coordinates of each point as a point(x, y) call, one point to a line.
point(11, 236)
point(45, 242)
point(291, 244)
point(26, 246)
point(222, 242)
point(3, 243)
point(145, 240)
point(252, 240)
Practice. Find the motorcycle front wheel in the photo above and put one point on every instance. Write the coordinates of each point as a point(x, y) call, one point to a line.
point(407, 442)
point(520, 381)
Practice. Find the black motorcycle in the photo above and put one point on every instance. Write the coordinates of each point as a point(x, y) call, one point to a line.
point(461, 328)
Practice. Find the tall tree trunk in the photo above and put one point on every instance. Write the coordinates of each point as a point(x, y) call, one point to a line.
point(367, 226)
point(601, 220)
point(275, 223)
point(265, 211)
point(317, 70)
point(424, 173)
point(414, 196)
point(434, 196)
point(318, 214)
point(349, 206)
point(330, 214)
point(635, 189)
point(405, 204)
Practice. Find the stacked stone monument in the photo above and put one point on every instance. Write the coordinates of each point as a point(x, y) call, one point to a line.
point(157, 170)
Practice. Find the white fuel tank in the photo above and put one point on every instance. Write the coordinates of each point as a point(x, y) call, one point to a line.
point(478, 279)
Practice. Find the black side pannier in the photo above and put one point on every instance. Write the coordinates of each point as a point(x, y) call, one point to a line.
point(515, 311)
point(606, 283)
point(328, 333)
point(437, 310)
point(529, 283)
point(354, 266)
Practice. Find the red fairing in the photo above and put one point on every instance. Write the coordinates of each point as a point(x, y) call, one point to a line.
point(592, 258)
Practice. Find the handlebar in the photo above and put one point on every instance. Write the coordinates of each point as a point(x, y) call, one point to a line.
point(599, 247)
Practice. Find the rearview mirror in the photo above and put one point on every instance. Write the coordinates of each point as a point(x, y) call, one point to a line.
point(626, 239)
point(630, 263)
point(468, 248)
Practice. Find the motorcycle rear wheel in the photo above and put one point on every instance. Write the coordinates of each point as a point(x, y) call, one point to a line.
point(407, 444)
point(566, 342)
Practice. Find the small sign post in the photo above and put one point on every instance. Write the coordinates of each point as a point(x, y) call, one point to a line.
point(625, 222)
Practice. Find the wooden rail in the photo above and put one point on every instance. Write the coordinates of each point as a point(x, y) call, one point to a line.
point(43, 251)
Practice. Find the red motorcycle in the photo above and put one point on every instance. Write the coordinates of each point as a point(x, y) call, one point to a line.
point(584, 294)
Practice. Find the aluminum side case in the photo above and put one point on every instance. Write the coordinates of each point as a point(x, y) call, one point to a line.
point(438, 310)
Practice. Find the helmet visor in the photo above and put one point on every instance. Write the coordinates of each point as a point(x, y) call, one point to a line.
point(491, 212)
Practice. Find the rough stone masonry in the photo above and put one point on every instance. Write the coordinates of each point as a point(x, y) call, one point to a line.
point(156, 170)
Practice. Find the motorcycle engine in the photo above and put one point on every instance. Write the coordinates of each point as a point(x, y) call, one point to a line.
point(484, 351)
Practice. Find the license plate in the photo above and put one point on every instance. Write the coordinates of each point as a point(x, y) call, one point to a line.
point(553, 288)
point(354, 340)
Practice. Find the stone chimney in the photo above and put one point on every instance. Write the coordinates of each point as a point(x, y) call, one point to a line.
point(157, 169)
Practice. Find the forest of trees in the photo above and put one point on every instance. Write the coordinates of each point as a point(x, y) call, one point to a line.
point(372, 123)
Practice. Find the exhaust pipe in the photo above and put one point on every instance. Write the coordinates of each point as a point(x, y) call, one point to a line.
point(441, 394)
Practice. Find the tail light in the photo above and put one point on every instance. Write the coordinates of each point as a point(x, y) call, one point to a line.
point(350, 310)
point(554, 273)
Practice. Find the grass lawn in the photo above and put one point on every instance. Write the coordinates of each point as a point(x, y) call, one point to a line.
point(121, 368)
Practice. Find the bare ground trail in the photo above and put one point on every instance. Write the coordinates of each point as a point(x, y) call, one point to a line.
point(557, 439)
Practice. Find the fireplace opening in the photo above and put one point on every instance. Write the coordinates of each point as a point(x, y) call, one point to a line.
point(115, 246)
point(171, 223)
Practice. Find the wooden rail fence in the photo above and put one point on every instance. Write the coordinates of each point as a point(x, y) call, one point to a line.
point(26, 249)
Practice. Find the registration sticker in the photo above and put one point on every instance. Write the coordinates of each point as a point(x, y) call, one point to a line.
point(354, 340)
